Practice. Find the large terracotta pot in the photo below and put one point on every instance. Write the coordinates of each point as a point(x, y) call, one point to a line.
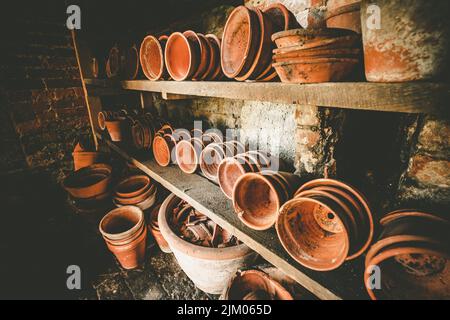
point(89, 182)
point(182, 56)
point(152, 57)
point(412, 43)
point(209, 268)
point(116, 129)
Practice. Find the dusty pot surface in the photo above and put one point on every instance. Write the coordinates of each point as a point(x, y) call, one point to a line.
point(182, 56)
point(255, 285)
point(412, 43)
point(152, 57)
point(346, 16)
point(209, 268)
point(89, 182)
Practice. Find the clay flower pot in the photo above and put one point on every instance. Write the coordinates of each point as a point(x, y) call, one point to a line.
point(210, 159)
point(204, 48)
point(130, 63)
point(116, 129)
point(230, 170)
point(152, 57)
point(125, 234)
point(300, 37)
point(344, 15)
point(89, 182)
point(182, 56)
point(162, 149)
point(407, 48)
point(286, 56)
point(412, 254)
point(83, 158)
point(143, 200)
point(113, 63)
point(255, 285)
point(142, 132)
point(132, 186)
point(154, 229)
point(216, 71)
point(240, 42)
point(257, 198)
point(188, 154)
point(209, 268)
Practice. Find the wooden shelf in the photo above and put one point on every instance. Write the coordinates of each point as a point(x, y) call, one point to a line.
point(417, 97)
point(344, 283)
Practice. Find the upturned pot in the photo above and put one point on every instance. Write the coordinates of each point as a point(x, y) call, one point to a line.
point(257, 197)
point(113, 63)
point(412, 254)
point(209, 268)
point(182, 56)
point(89, 182)
point(116, 129)
point(344, 15)
point(412, 42)
point(216, 72)
point(188, 154)
point(240, 42)
point(162, 149)
point(230, 170)
point(151, 57)
point(130, 63)
point(154, 229)
point(255, 285)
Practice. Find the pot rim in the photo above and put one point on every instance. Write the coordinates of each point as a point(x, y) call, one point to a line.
point(169, 70)
point(174, 241)
point(395, 215)
point(348, 8)
point(315, 61)
point(133, 178)
point(166, 147)
point(180, 163)
point(282, 8)
point(327, 32)
point(141, 57)
point(124, 234)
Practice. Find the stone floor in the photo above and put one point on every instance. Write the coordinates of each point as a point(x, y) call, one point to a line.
point(40, 236)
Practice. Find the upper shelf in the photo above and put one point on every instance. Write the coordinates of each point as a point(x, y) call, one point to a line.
point(412, 97)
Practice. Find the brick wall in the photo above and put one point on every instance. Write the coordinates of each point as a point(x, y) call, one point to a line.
point(43, 110)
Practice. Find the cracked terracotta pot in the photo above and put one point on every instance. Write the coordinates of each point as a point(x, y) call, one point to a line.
point(257, 197)
point(154, 229)
point(116, 129)
point(255, 285)
point(344, 15)
point(89, 182)
point(152, 57)
point(125, 234)
point(182, 56)
point(412, 254)
point(240, 42)
point(209, 268)
point(412, 43)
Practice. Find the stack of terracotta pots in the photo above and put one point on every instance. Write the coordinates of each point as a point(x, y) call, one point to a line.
point(406, 42)
point(123, 63)
point(115, 122)
point(246, 52)
point(143, 128)
point(153, 227)
point(327, 223)
point(104, 116)
point(84, 156)
point(411, 258)
point(165, 142)
point(315, 56)
point(255, 285)
point(210, 268)
point(257, 197)
point(136, 191)
point(232, 168)
point(193, 56)
point(344, 14)
point(125, 234)
point(215, 153)
point(152, 57)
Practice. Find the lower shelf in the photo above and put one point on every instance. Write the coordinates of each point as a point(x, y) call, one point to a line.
point(345, 283)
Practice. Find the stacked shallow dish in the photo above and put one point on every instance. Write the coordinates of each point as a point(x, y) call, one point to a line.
point(143, 128)
point(136, 191)
point(193, 56)
point(315, 56)
point(246, 45)
point(123, 63)
point(165, 142)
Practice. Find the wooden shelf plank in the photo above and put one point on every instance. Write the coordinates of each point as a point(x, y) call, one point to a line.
point(417, 97)
point(345, 283)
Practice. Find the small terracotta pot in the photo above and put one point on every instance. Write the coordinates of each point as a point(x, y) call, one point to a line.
point(89, 182)
point(345, 16)
point(162, 149)
point(205, 54)
point(152, 57)
point(229, 171)
point(240, 42)
point(210, 159)
point(132, 186)
point(154, 229)
point(317, 70)
point(216, 71)
point(255, 285)
point(116, 129)
point(182, 56)
point(131, 255)
point(113, 63)
point(130, 63)
point(188, 154)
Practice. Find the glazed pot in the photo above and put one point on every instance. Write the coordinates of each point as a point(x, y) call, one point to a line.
point(162, 149)
point(240, 42)
point(154, 229)
point(152, 57)
point(412, 44)
point(182, 56)
point(412, 254)
point(130, 63)
point(132, 186)
point(344, 15)
point(89, 182)
point(311, 70)
point(209, 268)
point(255, 285)
point(116, 129)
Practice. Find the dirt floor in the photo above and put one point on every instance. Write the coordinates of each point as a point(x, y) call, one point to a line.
point(40, 236)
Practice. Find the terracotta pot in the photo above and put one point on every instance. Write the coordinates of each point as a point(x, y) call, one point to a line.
point(255, 285)
point(152, 57)
point(352, 53)
point(154, 229)
point(143, 201)
point(209, 268)
point(407, 48)
point(85, 159)
point(257, 197)
point(241, 38)
point(132, 186)
point(116, 129)
point(229, 171)
point(412, 254)
point(205, 54)
point(210, 159)
point(281, 17)
point(188, 154)
point(130, 62)
point(131, 255)
point(113, 63)
point(301, 37)
point(344, 16)
point(216, 73)
point(94, 68)
point(182, 56)
point(162, 149)
point(88, 182)
point(142, 132)
point(101, 119)
point(318, 70)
